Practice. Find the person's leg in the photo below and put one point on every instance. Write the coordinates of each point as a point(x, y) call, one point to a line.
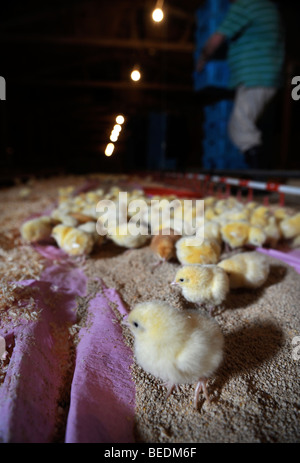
point(249, 104)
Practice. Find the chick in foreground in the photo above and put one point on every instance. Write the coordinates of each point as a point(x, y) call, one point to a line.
point(194, 250)
point(246, 270)
point(163, 245)
point(203, 284)
point(179, 347)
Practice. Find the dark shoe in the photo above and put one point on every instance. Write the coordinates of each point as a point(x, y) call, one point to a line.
point(254, 157)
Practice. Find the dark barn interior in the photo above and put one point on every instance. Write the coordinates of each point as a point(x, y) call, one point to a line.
point(67, 69)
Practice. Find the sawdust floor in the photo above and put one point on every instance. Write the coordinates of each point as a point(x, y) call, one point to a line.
point(255, 394)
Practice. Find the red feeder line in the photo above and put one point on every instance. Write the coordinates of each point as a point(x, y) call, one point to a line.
point(281, 199)
point(250, 195)
point(272, 186)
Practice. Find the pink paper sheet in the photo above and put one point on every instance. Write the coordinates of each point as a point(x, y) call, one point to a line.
point(31, 388)
point(103, 393)
point(291, 257)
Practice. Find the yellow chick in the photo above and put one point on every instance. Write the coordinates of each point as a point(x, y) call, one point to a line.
point(209, 201)
point(73, 241)
point(290, 227)
point(90, 227)
point(209, 213)
point(256, 237)
point(296, 242)
point(212, 230)
point(251, 205)
point(281, 213)
point(124, 238)
point(234, 215)
point(194, 250)
point(235, 234)
point(260, 216)
point(179, 347)
point(223, 205)
point(272, 231)
point(203, 284)
point(38, 229)
point(246, 270)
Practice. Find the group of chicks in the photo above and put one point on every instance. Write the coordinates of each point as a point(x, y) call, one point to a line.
point(178, 346)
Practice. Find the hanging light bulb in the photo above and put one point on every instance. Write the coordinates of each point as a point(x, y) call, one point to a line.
point(114, 136)
point(120, 119)
point(157, 13)
point(135, 74)
point(117, 128)
point(109, 149)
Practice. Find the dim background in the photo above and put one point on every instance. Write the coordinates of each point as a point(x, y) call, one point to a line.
point(67, 67)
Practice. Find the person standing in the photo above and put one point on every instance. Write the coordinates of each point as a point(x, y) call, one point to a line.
point(256, 51)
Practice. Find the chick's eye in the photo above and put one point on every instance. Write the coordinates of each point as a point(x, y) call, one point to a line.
point(181, 279)
point(135, 324)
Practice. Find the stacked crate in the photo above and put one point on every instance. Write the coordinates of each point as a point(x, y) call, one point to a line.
point(218, 150)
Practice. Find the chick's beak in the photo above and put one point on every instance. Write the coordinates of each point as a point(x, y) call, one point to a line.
point(174, 283)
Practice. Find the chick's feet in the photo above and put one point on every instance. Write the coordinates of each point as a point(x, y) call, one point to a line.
point(170, 388)
point(201, 386)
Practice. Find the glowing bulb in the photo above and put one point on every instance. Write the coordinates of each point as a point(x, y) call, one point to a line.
point(135, 75)
point(157, 15)
point(114, 136)
point(109, 149)
point(117, 128)
point(120, 119)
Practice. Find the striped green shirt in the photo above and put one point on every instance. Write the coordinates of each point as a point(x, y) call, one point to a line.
point(256, 43)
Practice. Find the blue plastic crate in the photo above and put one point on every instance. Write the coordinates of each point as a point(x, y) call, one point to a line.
point(219, 111)
point(216, 128)
point(208, 26)
point(218, 150)
point(213, 6)
point(215, 74)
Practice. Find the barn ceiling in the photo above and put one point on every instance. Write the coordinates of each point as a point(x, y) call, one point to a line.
point(83, 52)
point(96, 43)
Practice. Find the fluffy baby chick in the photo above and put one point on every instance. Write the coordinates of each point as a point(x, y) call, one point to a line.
point(223, 205)
point(194, 250)
point(209, 213)
point(296, 242)
point(256, 236)
point(38, 229)
point(290, 227)
point(203, 284)
point(235, 234)
point(122, 237)
point(179, 347)
point(234, 215)
point(260, 216)
point(246, 270)
point(163, 245)
point(272, 231)
point(90, 227)
point(212, 230)
point(73, 241)
point(281, 213)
